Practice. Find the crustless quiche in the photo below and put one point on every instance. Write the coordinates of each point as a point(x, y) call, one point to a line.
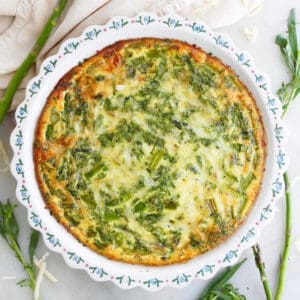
point(150, 152)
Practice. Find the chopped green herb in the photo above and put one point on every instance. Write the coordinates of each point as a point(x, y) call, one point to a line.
point(89, 200)
point(99, 77)
point(140, 206)
point(110, 215)
point(49, 132)
point(96, 170)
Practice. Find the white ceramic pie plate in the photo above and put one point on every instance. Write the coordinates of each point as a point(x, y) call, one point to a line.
point(70, 54)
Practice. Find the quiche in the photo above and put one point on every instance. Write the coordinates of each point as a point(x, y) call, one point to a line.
point(150, 152)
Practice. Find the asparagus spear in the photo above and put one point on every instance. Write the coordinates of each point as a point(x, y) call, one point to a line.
point(261, 267)
point(20, 73)
point(287, 243)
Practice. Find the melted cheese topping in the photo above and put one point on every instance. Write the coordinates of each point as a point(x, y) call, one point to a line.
point(150, 152)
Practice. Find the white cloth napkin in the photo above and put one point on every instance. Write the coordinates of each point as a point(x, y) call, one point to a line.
point(21, 22)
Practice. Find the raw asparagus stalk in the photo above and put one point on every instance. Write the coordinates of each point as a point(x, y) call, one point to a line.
point(261, 267)
point(287, 243)
point(6, 100)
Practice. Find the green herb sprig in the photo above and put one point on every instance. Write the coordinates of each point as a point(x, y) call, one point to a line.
point(288, 45)
point(220, 289)
point(9, 230)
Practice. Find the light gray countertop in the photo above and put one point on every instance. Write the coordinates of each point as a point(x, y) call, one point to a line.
point(75, 284)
